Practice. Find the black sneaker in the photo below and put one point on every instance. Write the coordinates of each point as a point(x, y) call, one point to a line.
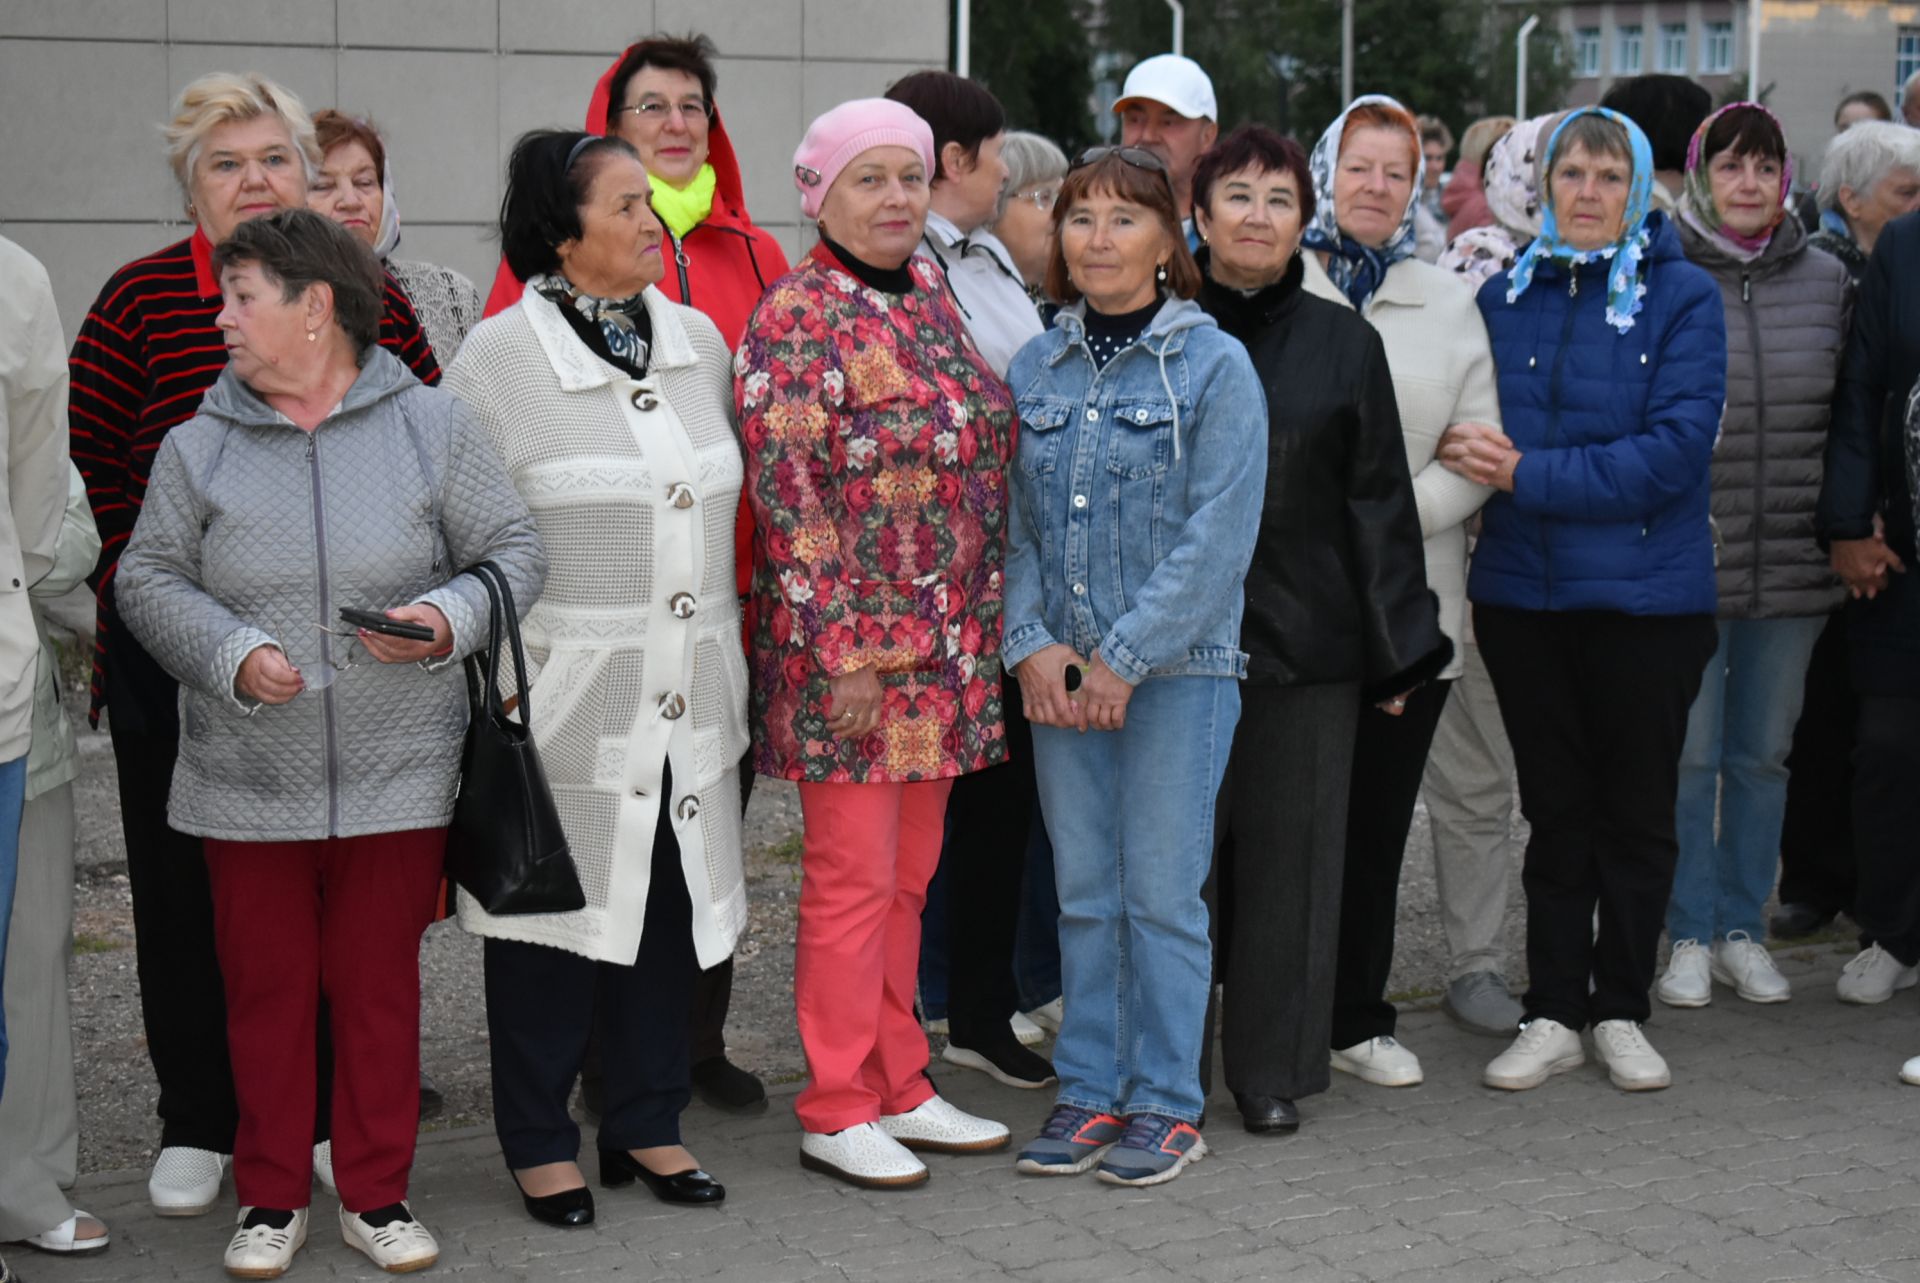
point(1005, 1061)
point(725, 1085)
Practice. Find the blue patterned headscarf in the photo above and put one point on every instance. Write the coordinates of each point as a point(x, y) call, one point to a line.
point(1357, 269)
point(1626, 290)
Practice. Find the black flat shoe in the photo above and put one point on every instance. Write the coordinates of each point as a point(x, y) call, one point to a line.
point(724, 1085)
point(1263, 1114)
point(618, 1168)
point(569, 1209)
point(1791, 921)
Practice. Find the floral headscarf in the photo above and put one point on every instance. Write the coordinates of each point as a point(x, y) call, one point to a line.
point(1626, 291)
point(1696, 197)
point(1511, 184)
point(1357, 269)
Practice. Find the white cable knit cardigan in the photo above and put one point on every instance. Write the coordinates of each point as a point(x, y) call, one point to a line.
point(634, 645)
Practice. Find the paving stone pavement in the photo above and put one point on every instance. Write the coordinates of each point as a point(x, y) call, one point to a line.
point(1785, 1150)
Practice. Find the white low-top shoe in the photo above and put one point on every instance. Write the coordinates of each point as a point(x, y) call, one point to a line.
point(1910, 1072)
point(862, 1155)
point(1380, 1061)
point(1029, 1033)
point(186, 1181)
point(1543, 1049)
point(1745, 963)
point(264, 1252)
point(937, 1127)
point(1048, 1015)
point(1688, 981)
point(1873, 976)
point(66, 1239)
point(400, 1246)
point(1630, 1059)
point(323, 1166)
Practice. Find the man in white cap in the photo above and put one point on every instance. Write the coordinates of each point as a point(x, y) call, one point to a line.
point(1167, 107)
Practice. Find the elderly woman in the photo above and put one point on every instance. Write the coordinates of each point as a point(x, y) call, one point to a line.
point(877, 440)
point(1135, 512)
point(147, 351)
point(320, 762)
point(1593, 582)
point(355, 189)
point(610, 405)
point(1869, 176)
point(1786, 308)
point(1024, 221)
point(1366, 177)
point(1337, 614)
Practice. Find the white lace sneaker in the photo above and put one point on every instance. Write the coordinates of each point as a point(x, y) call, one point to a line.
point(1380, 1061)
point(1048, 1015)
point(937, 1127)
point(323, 1166)
point(1029, 1033)
point(1630, 1059)
point(1543, 1049)
point(186, 1181)
point(1688, 981)
point(863, 1156)
point(1873, 976)
point(264, 1252)
point(400, 1246)
point(1745, 963)
point(1910, 1072)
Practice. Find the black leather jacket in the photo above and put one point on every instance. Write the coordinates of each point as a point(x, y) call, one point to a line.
point(1338, 587)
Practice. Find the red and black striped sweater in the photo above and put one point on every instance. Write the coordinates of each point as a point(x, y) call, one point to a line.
point(145, 355)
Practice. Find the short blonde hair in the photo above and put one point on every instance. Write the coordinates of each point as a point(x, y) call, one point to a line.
point(222, 98)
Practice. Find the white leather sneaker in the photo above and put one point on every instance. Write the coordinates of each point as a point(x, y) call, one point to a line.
point(400, 1246)
point(1688, 981)
point(935, 1126)
point(1543, 1049)
point(862, 1155)
point(1048, 1015)
point(1910, 1072)
point(323, 1166)
point(262, 1251)
point(1630, 1059)
point(186, 1181)
point(1380, 1061)
point(1873, 976)
point(1029, 1033)
point(1747, 965)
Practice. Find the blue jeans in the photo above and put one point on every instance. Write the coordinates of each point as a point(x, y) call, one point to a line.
point(1738, 734)
point(13, 796)
point(1131, 815)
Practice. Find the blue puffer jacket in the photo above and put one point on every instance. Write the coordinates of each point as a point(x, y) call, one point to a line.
point(1609, 509)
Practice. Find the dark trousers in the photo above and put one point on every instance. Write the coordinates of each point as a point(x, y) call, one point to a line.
point(1886, 816)
point(1389, 758)
point(1816, 839)
point(1275, 889)
point(989, 817)
point(542, 1003)
point(1595, 704)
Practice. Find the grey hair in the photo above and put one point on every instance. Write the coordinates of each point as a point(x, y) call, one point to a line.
point(1864, 155)
point(1030, 158)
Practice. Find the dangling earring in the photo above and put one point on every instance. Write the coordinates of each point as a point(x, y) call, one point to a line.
point(1160, 273)
point(312, 337)
point(192, 213)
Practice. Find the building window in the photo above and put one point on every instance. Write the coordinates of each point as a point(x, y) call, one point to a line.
point(1716, 50)
point(1907, 58)
point(1586, 52)
point(1673, 48)
point(1626, 54)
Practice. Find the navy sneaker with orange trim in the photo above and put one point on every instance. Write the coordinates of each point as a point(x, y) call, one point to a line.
point(1155, 1149)
point(1072, 1141)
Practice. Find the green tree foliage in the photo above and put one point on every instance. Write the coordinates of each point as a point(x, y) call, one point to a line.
point(1036, 56)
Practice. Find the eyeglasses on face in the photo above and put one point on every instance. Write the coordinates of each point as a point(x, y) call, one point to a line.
point(1042, 198)
point(656, 110)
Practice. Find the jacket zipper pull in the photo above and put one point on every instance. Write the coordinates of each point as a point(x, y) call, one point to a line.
point(1573, 284)
point(1746, 288)
point(309, 447)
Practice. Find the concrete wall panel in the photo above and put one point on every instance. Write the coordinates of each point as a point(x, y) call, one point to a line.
point(420, 24)
point(741, 28)
point(280, 22)
point(80, 140)
point(911, 30)
point(441, 143)
point(79, 257)
point(309, 73)
point(763, 119)
point(87, 19)
point(828, 84)
point(573, 26)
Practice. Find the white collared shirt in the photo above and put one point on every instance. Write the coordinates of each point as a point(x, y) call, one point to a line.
point(993, 299)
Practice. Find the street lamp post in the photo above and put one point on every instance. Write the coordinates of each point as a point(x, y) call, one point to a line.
point(1346, 51)
point(1179, 25)
point(1520, 66)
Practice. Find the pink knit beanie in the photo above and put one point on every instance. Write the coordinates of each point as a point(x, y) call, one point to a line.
point(837, 137)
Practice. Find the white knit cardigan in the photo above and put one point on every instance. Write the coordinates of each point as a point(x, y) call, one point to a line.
point(634, 646)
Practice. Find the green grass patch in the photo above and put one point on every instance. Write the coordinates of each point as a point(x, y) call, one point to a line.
point(787, 850)
point(87, 942)
point(1414, 995)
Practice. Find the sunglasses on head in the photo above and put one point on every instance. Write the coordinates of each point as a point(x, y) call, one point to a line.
point(1138, 157)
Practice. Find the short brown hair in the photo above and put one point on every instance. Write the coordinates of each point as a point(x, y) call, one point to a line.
point(1112, 174)
point(692, 53)
point(298, 248)
point(332, 129)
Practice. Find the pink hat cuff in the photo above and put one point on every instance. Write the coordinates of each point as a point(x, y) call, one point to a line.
point(838, 137)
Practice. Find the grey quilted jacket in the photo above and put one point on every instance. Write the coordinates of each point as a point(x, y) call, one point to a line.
point(1787, 314)
point(253, 533)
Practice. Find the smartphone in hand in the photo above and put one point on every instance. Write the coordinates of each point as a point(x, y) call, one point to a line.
point(375, 621)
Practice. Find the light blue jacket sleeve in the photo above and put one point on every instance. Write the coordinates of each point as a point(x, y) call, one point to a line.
point(1024, 613)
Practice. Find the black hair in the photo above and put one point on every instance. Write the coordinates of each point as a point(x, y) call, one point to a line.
point(1747, 131)
point(1667, 108)
point(298, 248)
point(548, 178)
point(692, 53)
point(1254, 146)
point(955, 108)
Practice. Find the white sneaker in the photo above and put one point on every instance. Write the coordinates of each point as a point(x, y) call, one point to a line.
point(1029, 1033)
point(863, 1156)
point(323, 1166)
point(1543, 1049)
point(937, 1127)
point(1910, 1072)
point(1049, 1015)
point(1689, 978)
point(398, 1247)
point(1747, 965)
point(1630, 1059)
point(186, 1181)
point(1380, 1061)
point(1873, 976)
point(264, 1252)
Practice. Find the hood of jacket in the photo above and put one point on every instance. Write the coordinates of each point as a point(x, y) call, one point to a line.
point(381, 377)
point(1163, 336)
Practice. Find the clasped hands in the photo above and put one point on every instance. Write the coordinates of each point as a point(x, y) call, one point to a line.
point(1479, 452)
point(1102, 705)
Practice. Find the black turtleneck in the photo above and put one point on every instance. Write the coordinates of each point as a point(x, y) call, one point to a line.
point(1243, 313)
point(1108, 335)
point(888, 280)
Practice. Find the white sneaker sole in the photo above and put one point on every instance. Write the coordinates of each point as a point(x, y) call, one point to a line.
point(1745, 994)
point(1683, 1000)
point(1858, 999)
point(1372, 1074)
point(967, 1058)
point(184, 1209)
point(1186, 1160)
point(1033, 1167)
point(906, 1180)
point(1527, 1082)
point(1640, 1084)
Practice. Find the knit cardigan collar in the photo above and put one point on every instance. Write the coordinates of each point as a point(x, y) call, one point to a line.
point(578, 368)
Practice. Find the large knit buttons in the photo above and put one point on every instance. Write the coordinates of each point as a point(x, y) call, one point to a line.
point(681, 604)
point(672, 705)
point(644, 399)
point(688, 808)
point(680, 495)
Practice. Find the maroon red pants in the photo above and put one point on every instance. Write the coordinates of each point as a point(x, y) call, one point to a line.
point(341, 916)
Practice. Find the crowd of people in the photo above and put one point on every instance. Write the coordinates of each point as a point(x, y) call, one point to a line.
point(1112, 550)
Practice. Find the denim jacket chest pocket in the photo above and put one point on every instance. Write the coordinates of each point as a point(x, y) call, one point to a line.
point(1140, 444)
point(1040, 435)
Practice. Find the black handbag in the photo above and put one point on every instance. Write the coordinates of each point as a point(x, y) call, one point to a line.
point(505, 847)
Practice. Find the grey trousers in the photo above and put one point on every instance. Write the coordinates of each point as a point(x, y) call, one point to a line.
point(39, 1123)
point(1469, 791)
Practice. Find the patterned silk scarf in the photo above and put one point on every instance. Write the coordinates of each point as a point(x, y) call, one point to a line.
point(619, 319)
point(1696, 197)
point(1357, 269)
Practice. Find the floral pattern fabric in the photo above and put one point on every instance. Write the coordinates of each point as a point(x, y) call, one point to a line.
point(877, 441)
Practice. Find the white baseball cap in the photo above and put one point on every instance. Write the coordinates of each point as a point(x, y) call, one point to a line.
point(1175, 81)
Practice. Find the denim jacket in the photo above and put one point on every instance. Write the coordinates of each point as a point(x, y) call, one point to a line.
point(1137, 496)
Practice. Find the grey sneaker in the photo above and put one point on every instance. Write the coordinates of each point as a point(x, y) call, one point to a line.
point(1480, 1001)
point(1073, 1140)
point(1155, 1149)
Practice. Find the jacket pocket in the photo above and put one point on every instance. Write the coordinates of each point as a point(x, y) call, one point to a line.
point(1040, 436)
point(1141, 442)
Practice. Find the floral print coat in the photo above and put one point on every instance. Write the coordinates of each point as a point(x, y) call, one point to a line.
point(877, 441)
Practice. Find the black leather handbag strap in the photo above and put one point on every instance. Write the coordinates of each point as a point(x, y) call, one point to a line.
point(502, 618)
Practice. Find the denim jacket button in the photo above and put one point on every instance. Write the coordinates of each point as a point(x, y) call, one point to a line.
point(1079, 501)
point(1079, 590)
point(1093, 416)
point(1139, 416)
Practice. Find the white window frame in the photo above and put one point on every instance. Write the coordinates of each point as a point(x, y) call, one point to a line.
point(1716, 49)
point(1672, 50)
point(1586, 53)
point(1906, 60)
